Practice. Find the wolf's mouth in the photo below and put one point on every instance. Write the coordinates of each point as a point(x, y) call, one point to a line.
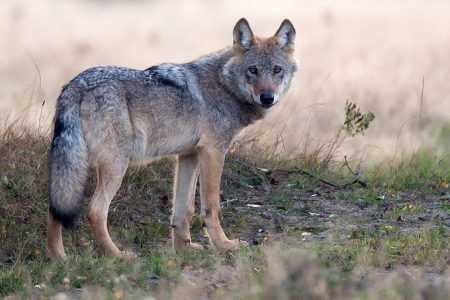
point(266, 106)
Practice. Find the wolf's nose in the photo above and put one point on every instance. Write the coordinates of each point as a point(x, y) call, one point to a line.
point(267, 98)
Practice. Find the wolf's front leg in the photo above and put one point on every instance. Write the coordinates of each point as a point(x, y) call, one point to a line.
point(211, 165)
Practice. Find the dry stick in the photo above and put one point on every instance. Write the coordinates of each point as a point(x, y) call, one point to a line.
point(421, 97)
point(348, 167)
point(298, 170)
point(301, 171)
point(362, 183)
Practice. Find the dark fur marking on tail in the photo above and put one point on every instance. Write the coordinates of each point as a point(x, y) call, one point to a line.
point(59, 128)
point(68, 220)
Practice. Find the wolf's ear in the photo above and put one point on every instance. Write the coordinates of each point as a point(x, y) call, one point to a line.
point(242, 34)
point(285, 36)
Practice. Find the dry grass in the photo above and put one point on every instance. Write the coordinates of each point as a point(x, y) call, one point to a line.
point(388, 240)
point(375, 54)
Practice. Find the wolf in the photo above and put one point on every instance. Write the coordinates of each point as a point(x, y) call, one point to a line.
point(110, 117)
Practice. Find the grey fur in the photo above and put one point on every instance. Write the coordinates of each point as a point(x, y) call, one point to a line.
point(108, 117)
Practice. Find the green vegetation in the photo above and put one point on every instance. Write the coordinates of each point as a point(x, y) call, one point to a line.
point(312, 232)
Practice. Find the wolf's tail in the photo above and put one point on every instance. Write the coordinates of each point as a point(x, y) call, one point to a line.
point(68, 159)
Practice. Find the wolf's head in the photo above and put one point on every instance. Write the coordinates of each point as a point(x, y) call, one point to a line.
point(261, 69)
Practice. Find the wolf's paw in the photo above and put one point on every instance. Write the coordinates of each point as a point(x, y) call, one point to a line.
point(188, 245)
point(127, 255)
point(231, 244)
point(195, 246)
point(56, 253)
point(243, 243)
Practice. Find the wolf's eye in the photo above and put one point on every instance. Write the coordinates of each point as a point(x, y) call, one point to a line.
point(277, 69)
point(253, 70)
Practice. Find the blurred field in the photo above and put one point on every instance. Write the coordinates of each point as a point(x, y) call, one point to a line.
point(374, 53)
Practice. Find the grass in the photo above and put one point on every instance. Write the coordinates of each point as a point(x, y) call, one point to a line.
point(306, 236)
point(387, 247)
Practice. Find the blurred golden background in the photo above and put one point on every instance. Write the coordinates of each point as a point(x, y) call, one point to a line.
point(378, 54)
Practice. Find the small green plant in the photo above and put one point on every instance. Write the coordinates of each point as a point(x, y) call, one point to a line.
point(355, 121)
point(10, 281)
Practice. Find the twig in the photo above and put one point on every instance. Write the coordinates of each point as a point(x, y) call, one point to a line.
point(360, 182)
point(348, 166)
point(298, 170)
point(301, 171)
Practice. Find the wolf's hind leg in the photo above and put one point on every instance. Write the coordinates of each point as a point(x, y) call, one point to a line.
point(184, 201)
point(109, 178)
point(54, 245)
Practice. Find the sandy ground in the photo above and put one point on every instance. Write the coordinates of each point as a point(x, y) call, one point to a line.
point(375, 53)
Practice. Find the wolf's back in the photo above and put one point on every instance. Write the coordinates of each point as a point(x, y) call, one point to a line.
point(68, 158)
